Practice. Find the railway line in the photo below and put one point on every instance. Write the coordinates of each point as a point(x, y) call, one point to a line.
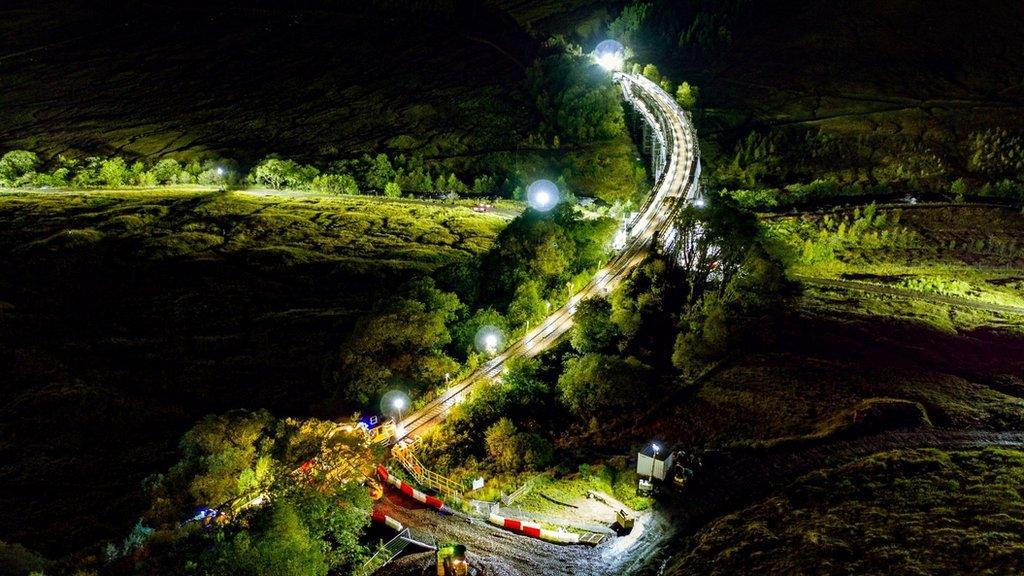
point(677, 184)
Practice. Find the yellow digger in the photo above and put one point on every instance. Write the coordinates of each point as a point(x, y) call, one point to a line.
point(451, 561)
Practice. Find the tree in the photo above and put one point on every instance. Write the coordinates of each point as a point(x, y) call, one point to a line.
point(380, 173)
point(524, 390)
point(15, 165)
point(335, 517)
point(651, 73)
point(166, 171)
point(686, 96)
point(598, 384)
point(593, 329)
point(335, 184)
point(576, 103)
point(401, 342)
point(277, 544)
point(503, 444)
point(225, 457)
point(527, 304)
point(485, 185)
point(113, 172)
point(415, 180)
point(392, 190)
point(278, 174)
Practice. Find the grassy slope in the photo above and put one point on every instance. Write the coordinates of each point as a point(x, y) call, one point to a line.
point(906, 80)
point(187, 78)
point(847, 364)
point(125, 316)
point(907, 512)
point(846, 353)
point(966, 251)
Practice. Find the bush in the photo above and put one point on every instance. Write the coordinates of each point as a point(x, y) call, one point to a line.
point(335, 184)
point(16, 165)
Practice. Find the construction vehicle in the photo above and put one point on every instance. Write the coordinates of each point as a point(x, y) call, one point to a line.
point(685, 466)
point(377, 429)
point(451, 561)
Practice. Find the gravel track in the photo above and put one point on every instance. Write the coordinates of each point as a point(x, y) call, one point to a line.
point(728, 483)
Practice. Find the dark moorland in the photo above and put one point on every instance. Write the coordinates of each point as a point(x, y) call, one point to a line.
point(851, 356)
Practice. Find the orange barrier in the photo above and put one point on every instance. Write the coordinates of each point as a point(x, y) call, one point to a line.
point(534, 530)
point(405, 488)
point(382, 518)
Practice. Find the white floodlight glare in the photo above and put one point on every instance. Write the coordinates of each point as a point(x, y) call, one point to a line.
point(610, 55)
point(542, 195)
point(655, 447)
point(489, 340)
point(394, 403)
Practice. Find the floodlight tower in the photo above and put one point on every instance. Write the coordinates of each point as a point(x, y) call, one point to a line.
point(542, 195)
point(610, 55)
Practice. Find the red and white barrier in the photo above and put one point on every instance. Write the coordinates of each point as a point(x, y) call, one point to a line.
point(407, 489)
point(382, 518)
point(534, 530)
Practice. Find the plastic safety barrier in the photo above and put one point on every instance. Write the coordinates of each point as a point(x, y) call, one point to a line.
point(534, 530)
point(382, 518)
point(405, 488)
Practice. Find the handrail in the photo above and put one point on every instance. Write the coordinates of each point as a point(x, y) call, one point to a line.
point(425, 476)
point(386, 554)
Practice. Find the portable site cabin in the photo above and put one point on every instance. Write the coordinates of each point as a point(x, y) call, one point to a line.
point(653, 464)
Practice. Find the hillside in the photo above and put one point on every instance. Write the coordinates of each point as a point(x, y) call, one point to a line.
point(125, 316)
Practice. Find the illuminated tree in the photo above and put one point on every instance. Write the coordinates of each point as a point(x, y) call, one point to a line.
point(113, 172)
point(380, 173)
point(166, 171)
point(15, 165)
point(593, 329)
point(686, 96)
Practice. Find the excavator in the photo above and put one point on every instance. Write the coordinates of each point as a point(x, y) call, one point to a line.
point(451, 561)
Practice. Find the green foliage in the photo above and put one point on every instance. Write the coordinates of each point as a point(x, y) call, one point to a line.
point(16, 166)
point(278, 543)
point(527, 305)
point(515, 451)
point(400, 344)
point(335, 518)
point(575, 98)
point(15, 559)
point(335, 184)
point(686, 96)
point(593, 329)
point(597, 384)
point(392, 190)
point(996, 153)
point(278, 174)
point(651, 72)
point(547, 249)
point(113, 172)
point(628, 23)
point(380, 173)
point(225, 458)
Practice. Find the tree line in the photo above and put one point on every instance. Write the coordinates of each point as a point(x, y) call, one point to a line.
point(378, 174)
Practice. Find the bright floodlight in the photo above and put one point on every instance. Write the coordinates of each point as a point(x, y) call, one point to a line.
point(394, 403)
point(610, 55)
point(542, 195)
point(699, 202)
point(488, 339)
point(220, 171)
point(655, 447)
